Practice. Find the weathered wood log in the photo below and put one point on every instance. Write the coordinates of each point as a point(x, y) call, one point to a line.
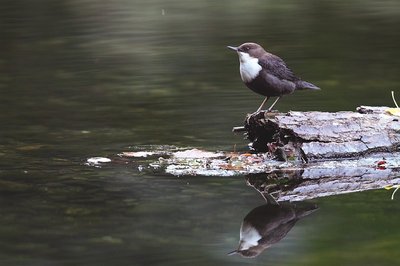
point(324, 135)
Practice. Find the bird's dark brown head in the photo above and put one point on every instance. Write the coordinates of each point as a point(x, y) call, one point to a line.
point(253, 49)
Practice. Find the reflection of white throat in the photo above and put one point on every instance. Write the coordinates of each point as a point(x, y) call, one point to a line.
point(249, 237)
point(249, 67)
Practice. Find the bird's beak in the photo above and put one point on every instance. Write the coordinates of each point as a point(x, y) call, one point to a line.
point(232, 252)
point(233, 48)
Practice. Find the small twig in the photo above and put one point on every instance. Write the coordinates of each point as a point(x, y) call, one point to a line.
point(397, 188)
point(394, 100)
point(238, 129)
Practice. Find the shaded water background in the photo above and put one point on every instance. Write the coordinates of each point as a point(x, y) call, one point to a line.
point(92, 78)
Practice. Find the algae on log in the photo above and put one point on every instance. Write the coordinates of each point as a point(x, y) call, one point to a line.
point(324, 135)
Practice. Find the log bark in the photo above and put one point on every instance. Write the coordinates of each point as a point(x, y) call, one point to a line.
point(324, 135)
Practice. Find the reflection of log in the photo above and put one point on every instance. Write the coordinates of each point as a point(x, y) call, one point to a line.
point(323, 135)
point(321, 180)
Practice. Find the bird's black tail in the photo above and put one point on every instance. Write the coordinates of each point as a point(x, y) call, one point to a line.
point(303, 209)
point(304, 85)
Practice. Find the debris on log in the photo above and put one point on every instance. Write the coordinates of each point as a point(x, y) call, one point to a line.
point(312, 136)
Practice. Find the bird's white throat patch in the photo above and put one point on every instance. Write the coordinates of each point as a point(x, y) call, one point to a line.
point(249, 67)
point(249, 237)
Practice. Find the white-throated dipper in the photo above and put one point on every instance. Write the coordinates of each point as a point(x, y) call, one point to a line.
point(267, 74)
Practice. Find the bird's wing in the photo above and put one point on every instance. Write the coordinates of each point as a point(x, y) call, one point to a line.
point(276, 235)
point(274, 65)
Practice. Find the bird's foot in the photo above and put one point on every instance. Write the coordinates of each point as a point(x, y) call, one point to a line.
point(248, 116)
point(267, 113)
point(256, 113)
point(271, 112)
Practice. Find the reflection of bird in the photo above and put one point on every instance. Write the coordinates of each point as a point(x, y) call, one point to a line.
point(267, 74)
point(267, 225)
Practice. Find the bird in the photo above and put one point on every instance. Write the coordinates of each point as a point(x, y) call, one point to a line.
point(268, 224)
point(267, 74)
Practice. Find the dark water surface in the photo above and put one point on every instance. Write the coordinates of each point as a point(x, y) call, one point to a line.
point(92, 78)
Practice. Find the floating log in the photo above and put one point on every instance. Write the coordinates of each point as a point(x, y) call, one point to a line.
point(309, 136)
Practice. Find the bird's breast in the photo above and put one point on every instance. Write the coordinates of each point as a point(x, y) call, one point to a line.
point(249, 67)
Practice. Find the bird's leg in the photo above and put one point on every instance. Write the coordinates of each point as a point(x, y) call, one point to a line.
point(262, 104)
point(270, 108)
point(258, 110)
